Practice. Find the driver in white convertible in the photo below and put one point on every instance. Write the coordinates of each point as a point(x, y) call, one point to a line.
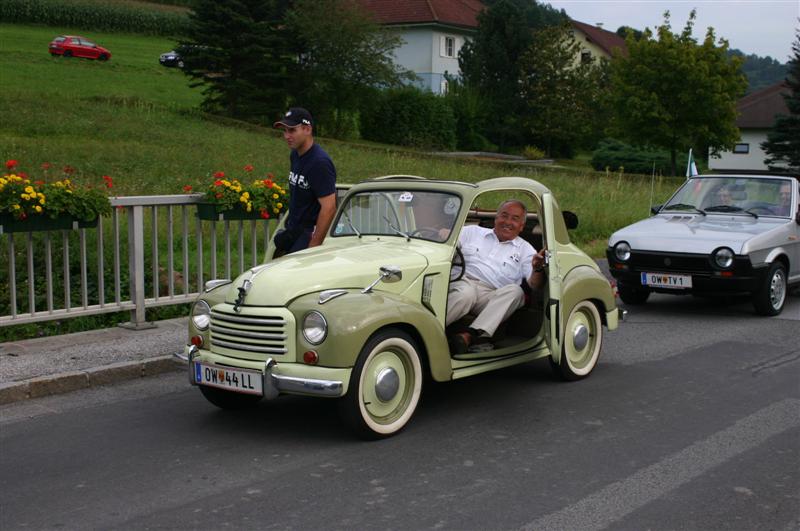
point(500, 268)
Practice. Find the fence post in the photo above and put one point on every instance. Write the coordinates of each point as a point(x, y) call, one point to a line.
point(136, 268)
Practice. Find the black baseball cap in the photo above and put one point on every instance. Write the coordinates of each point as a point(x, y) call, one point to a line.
point(294, 117)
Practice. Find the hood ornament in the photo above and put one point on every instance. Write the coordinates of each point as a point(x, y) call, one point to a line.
point(243, 289)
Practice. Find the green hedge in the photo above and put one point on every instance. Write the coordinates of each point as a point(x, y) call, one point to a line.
point(409, 117)
point(93, 16)
point(614, 155)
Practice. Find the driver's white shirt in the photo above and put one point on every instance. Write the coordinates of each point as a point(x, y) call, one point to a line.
point(494, 262)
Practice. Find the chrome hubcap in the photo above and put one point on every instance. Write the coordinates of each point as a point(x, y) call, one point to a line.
point(580, 337)
point(387, 384)
point(777, 290)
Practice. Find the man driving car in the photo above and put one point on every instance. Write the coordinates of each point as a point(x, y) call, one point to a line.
point(500, 267)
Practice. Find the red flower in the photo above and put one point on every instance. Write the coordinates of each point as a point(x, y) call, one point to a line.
point(270, 176)
point(268, 183)
point(38, 183)
point(46, 166)
point(69, 170)
point(217, 183)
point(23, 215)
point(248, 168)
point(108, 180)
point(265, 214)
point(22, 174)
point(11, 164)
point(218, 195)
point(187, 188)
point(219, 174)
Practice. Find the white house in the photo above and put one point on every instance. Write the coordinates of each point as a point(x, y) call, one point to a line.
point(595, 42)
point(757, 112)
point(433, 32)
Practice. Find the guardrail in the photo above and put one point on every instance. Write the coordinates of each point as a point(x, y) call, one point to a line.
point(151, 259)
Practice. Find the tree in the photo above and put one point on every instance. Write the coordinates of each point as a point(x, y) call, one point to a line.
point(563, 96)
point(783, 142)
point(237, 50)
point(671, 92)
point(490, 63)
point(342, 54)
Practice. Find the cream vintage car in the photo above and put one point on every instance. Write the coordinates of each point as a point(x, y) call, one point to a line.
point(362, 317)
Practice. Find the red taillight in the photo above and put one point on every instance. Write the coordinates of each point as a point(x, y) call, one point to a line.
point(197, 341)
point(310, 357)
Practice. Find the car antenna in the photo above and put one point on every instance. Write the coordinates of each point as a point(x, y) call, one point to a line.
point(652, 185)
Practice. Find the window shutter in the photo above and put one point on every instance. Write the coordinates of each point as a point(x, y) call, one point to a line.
point(443, 46)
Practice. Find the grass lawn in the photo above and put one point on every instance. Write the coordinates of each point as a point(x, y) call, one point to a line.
point(138, 122)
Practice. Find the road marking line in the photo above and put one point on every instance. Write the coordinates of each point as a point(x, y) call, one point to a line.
point(617, 500)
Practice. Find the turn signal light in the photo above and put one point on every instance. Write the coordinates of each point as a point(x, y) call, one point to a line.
point(310, 357)
point(197, 341)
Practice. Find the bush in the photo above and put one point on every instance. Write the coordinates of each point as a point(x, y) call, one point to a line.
point(614, 155)
point(532, 153)
point(467, 110)
point(93, 16)
point(409, 117)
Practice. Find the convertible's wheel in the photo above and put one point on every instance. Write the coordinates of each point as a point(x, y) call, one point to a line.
point(583, 337)
point(631, 295)
point(68, 54)
point(102, 57)
point(228, 400)
point(385, 386)
point(771, 295)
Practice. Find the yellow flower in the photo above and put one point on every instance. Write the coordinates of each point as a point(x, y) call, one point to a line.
point(275, 196)
point(30, 190)
point(15, 207)
point(249, 207)
point(41, 200)
point(279, 205)
point(275, 210)
point(26, 197)
point(37, 208)
point(246, 195)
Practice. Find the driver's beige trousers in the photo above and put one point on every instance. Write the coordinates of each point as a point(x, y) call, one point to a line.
point(493, 306)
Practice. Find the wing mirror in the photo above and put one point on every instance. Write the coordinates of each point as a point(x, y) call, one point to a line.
point(655, 209)
point(570, 219)
point(386, 274)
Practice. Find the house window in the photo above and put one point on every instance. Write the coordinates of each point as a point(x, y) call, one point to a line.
point(742, 149)
point(448, 47)
point(586, 56)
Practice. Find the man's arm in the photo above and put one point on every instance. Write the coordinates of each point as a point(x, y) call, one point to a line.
point(536, 280)
point(327, 210)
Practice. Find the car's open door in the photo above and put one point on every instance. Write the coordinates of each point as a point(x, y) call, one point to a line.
point(552, 291)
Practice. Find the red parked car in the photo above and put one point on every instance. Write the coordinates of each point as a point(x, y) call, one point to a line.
point(76, 46)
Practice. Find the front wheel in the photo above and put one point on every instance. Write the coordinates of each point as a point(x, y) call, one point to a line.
point(67, 54)
point(385, 386)
point(227, 399)
point(632, 295)
point(102, 57)
point(771, 295)
point(583, 337)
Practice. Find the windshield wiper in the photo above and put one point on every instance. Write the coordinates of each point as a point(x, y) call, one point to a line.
point(398, 231)
point(684, 206)
point(730, 208)
point(352, 227)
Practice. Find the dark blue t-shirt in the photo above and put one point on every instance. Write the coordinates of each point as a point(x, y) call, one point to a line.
point(312, 176)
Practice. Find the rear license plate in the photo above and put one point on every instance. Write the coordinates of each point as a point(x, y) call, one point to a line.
point(665, 280)
point(237, 380)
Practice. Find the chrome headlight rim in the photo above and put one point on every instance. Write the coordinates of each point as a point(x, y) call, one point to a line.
point(622, 251)
point(201, 315)
point(722, 257)
point(315, 327)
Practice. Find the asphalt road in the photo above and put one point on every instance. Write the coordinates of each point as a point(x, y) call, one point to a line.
point(691, 421)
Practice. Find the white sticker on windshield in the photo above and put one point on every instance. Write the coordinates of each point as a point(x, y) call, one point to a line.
point(406, 197)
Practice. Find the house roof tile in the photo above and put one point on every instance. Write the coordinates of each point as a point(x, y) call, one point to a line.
point(758, 110)
point(605, 39)
point(462, 13)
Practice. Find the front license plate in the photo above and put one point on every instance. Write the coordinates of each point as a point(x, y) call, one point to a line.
point(238, 380)
point(665, 280)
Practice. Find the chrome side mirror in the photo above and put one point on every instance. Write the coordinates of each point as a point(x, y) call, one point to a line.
point(386, 274)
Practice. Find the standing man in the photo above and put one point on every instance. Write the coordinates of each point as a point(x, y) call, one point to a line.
point(312, 185)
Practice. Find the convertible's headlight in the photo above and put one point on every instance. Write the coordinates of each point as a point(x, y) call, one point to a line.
point(315, 327)
point(622, 251)
point(723, 257)
point(201, 315)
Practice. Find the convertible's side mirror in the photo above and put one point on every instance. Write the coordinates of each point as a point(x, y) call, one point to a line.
point(655, 209)
point(570, 219)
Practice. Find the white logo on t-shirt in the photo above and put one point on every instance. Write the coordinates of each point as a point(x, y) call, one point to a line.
point(298, 180)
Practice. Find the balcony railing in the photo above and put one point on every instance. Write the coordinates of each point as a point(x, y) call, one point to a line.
point(152, 251)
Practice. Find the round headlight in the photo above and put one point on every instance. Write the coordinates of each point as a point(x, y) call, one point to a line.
point(201, 315)
point(723, 257)
point(622, 251)
point(315, 328)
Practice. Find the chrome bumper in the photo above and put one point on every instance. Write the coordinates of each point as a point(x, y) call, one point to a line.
point(275, 384)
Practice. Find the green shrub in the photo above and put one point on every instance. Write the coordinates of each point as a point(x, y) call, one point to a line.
point(532, 153)
point(614, 155)
point(409, 117)
point(93, 16)
point(467, 108)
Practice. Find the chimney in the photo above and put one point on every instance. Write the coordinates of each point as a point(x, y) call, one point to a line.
point(599, 25)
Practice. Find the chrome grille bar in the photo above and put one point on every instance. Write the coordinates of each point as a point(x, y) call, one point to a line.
point(249, 348)
point(245, 333)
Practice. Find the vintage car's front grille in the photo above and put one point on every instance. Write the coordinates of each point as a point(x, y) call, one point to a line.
point(247, 333)
point(669, 262)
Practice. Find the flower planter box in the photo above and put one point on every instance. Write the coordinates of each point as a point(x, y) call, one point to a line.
point(43, 223)
point(211, 212)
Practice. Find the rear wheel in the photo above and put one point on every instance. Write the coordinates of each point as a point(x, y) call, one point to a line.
point(632, 295)
point(228, 400)
point(385, 386)
point(583, 337)
point(68, 54)
point(771, 295)
point(102, 57)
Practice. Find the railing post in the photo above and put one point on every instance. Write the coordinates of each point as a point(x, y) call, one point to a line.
point(136, 268)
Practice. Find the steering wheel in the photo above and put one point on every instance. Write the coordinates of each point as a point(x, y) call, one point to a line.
point(427, 233)
point(761, 210)
point(458, 266)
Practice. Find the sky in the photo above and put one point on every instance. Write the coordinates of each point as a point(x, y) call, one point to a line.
point(761, 27)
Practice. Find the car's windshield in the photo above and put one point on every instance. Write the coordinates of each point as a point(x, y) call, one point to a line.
point(731, 195)
point(404, 213)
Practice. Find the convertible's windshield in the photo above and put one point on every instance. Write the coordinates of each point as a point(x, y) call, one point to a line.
point(403, 213)
point(731, 195)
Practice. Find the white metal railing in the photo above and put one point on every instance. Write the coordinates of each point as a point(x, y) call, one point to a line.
point(151, 260)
